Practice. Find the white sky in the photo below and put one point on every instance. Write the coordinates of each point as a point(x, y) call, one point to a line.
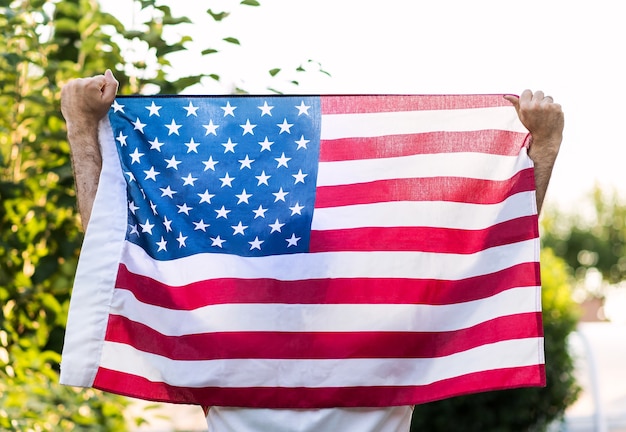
point(573, 50)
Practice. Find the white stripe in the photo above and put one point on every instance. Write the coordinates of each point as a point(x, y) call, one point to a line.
point(244, 317)
point(420, 265)
point(337, 126)
point(95, 276)
point(424, 214)
point(469, 165)
point(321, 373)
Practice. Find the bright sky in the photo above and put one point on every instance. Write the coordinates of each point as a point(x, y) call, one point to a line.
point(573, 50)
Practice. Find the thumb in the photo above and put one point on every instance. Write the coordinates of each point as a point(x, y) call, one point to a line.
point(513, 99)
point(109, 90)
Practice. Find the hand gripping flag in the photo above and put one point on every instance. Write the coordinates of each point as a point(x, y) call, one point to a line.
point(306, 251)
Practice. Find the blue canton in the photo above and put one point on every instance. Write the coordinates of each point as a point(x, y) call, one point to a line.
point(232, 175)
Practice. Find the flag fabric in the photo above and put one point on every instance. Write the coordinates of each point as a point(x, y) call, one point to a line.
point(309, 251)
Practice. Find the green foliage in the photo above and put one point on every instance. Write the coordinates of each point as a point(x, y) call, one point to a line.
point(42, 47)
point(598, 242)
point(526, 409)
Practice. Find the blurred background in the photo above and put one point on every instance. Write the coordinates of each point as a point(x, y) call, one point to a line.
point(571, 50)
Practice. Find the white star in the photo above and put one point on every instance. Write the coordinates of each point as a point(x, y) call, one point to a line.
point(248, 128)
point(280, 195)
point(131, 176)
point(189, 180)
point(210, 128)
point(133, 230)
point(282, 161)
point(243, 197)
point(239, 228)
point(122, 139)
point(162, 245)
point(167, 224)
point(276, 226)
point(147, 227)
point(227, 180)
point(266, 145)
point(172, 163)
point(184, 209)
point(132, 207)
point(153, 207)
point(262, 179)
point(181, 240)
point(222, 213)
point(303, 109)
point(173, 128)
point(154, 110)
point(260, 212)
point(200, 225)
point(155, 145)
point(256, 243)
point(138, 125)
point(293, 240)
point(246, 162)
point(297, 209)
point(135, 156)
point(191, 110)
point(302, 143)
point(151, 174)
point(284, 127)
point(217, 241)
point(192, 146)
point(209, 164)
point(229, 110)
point(117, 107)
point(299, 177)
point(206, 197)
point(266, 109)
point(167, 192)
point(229, 146)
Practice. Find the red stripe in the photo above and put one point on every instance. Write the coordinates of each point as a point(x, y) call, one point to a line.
point(320, 345)
point(496, 142)
point(346, 104)
point(424, 239)
point(326, 291)
point(325, 397)
point(451, 189)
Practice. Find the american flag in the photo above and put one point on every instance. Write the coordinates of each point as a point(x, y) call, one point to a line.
point(309, 251)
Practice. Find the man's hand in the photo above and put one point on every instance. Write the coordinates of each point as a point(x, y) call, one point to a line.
point(84, 102)
point(544, 120)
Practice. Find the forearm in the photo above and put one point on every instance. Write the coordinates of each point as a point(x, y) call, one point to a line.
point(87, 164)
point(543, 153)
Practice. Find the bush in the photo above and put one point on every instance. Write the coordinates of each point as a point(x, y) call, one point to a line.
point(526, 409)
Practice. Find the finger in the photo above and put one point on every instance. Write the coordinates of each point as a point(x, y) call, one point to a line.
point(526, 96)
point(538, 96)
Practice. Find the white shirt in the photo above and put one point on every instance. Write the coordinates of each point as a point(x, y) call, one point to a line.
point(387, 419)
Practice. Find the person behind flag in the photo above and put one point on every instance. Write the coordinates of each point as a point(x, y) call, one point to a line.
point(85, 101)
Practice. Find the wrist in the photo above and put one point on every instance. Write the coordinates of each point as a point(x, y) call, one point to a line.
point(544, 150)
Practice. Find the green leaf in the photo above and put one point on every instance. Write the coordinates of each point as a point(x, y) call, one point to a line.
point(250, 3)
point(209, 51)
point(218, 16)
point(274, 72)
point(232, 40)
